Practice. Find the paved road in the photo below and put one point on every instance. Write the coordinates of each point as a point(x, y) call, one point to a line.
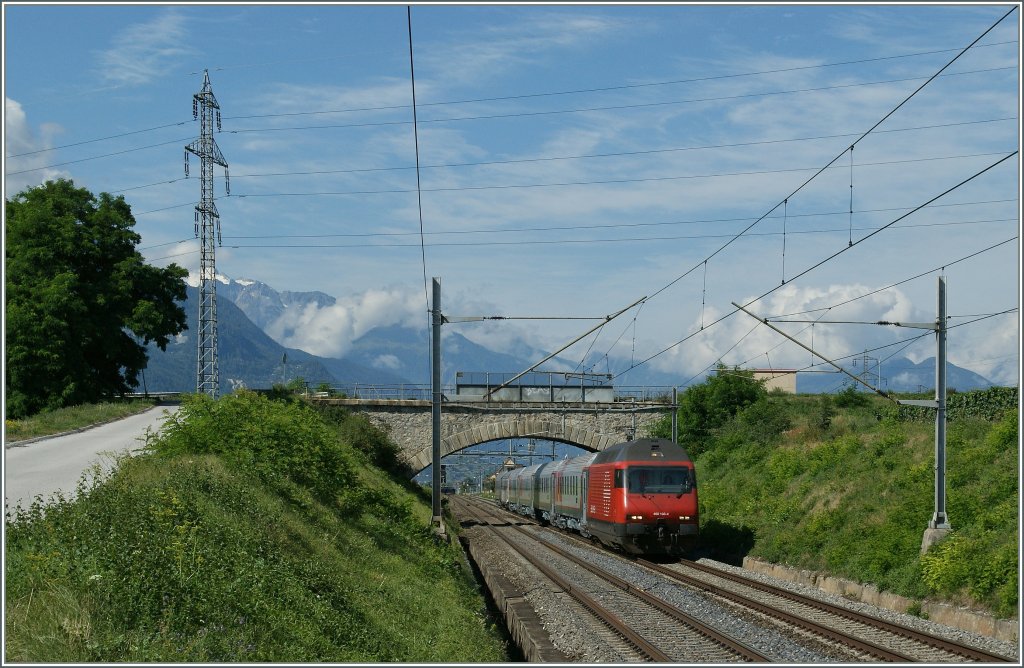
point(43, 467)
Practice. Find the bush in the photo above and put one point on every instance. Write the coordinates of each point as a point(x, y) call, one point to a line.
point(851, 397)
point(277, 440)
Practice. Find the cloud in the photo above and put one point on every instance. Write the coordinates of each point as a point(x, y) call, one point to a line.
point(329, 331)
point(21, 141)
point(742, 341)
point(387, 362)
point(144, 51)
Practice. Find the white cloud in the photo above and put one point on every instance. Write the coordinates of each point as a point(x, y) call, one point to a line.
point(330, 331)
point(387, 362)
point(21, 141)
point(144, 51)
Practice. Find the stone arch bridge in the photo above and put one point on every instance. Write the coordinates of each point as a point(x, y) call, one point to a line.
point(592, 427)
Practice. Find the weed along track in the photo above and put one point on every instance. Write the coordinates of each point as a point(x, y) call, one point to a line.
point(686, 612)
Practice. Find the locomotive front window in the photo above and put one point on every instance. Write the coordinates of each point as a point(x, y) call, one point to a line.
point(658, 480)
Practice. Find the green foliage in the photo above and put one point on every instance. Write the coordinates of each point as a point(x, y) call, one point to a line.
point(765, 420)
point(369, 439)
point(706, 407)
point(987, 404)
point(850, 397)
point(277, 440)
point(855, 502)
point(82, 304)
point(202, 554)
point(826, 411)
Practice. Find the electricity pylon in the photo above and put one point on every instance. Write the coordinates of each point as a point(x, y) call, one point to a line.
point(205, 108)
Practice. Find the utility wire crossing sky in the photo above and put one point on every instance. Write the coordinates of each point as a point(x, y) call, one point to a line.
point(572, 159)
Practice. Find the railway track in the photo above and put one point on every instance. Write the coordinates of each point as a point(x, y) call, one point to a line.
point(862, 636)
point(677, 637)
point(872, 634)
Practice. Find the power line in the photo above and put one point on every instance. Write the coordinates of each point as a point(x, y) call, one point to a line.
point(491, 99)
point(363, 170)
point(552, 112)
point(651, 179)
point(97, 157)
point(602, 89)
point(549, 242)
point(596, 226)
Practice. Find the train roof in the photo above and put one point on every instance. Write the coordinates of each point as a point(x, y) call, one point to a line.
point(654, 450)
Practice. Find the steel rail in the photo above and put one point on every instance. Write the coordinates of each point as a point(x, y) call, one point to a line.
point(806, 624)
point(972, 653)
point(744, 650)
point(606, 617)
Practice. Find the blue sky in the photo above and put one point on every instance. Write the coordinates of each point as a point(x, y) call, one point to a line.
point(573, 160)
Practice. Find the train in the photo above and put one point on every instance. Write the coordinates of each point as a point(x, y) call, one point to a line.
point(639, 496)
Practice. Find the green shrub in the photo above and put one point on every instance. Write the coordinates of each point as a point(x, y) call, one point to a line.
point(189, 555)
point(851, 397)
point(277, 440)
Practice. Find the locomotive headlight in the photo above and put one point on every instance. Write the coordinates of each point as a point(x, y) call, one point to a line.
point(636, 517)
point(685, 517)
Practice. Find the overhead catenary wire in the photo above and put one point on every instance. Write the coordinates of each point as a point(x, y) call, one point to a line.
point(833, 256)
point(829, 164)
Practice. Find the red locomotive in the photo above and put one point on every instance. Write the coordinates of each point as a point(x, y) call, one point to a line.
point(638, 496)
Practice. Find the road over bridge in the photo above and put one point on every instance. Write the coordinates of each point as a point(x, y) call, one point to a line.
point(591, 426)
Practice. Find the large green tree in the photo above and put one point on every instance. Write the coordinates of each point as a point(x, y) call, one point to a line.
point(706, 407)
point(81, 302)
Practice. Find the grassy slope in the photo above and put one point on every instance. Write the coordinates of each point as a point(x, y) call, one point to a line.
point(854, 500)
point(204, 557)
point(72, 417)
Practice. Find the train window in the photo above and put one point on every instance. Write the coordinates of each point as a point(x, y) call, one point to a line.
point(618, 478)
point(658, 479)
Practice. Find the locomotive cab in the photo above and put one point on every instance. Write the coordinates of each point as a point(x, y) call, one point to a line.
point(643, 497)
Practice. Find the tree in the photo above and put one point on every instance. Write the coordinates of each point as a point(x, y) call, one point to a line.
point(81, 302)
point(706, 407)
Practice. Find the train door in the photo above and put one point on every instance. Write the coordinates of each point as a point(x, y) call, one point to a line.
point(583, 494)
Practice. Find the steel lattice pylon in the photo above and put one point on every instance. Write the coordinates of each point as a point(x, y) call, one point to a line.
point(205, 108)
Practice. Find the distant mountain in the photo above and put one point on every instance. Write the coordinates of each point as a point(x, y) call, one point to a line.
point(898, 375)
point(246, 357)
point(400, 355)
point(263, 304)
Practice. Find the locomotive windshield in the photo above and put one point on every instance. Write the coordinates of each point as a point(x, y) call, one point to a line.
point(658, 480)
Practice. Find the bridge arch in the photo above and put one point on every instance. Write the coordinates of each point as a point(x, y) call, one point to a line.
point(549, 430)
point(592, 427)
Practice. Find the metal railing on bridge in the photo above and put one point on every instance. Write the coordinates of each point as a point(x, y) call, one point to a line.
point(535, 387)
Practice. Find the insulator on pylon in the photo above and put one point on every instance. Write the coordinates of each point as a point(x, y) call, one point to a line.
point(195, 107)
point(218, 120)
point(218, 233)
point(186, 163)
point(227, 182)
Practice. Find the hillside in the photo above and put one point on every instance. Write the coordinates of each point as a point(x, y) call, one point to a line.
point(851, 493)
point(254, 531)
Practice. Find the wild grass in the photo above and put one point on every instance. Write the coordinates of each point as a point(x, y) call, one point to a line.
point(250, 533)
point(854, 498)
point(71, 418)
